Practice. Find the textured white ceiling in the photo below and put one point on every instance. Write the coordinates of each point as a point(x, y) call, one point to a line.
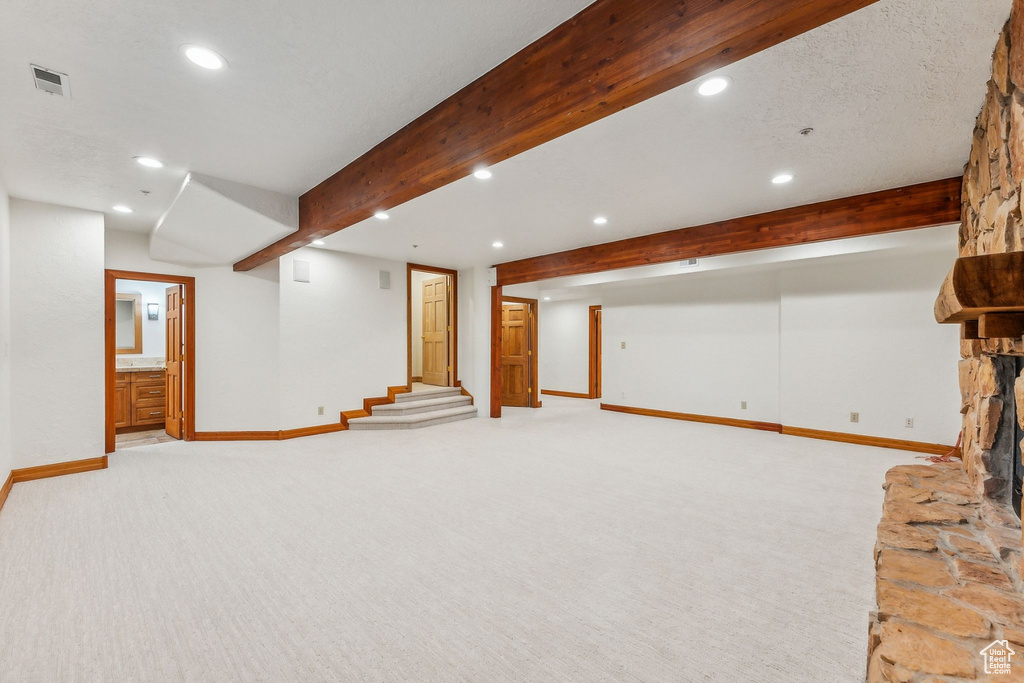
point(892, 92)
point(311, 86)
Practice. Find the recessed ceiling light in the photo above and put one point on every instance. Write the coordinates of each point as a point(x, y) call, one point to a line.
point(204, 57)
point(121, 208)
point(713, 86)
point(547, 298)
point(319, 243)
point(600, 220)
point(782, 178)
point(497, 245)
point(381, 216)
point(149, 162)
point(482, 174)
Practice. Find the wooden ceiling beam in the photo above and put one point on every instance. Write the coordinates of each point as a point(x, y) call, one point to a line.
point(610, 56)
point(906, 208)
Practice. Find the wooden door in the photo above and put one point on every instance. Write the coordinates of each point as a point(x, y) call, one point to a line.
point(435, 332)
point(515, 355)
point(595, 352)
point(173, 417)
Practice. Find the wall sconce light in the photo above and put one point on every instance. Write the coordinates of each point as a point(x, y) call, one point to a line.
point(154, 311)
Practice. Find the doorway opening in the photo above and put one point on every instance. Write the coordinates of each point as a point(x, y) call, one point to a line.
point(433, 327)
point(519, 352)
point(149, 354)
point(595, 352)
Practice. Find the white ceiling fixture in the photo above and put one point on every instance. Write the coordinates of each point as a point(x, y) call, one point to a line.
point(713, 86)
point(204, 57)
point(121, 208)
point(783, 178)
point(381, 215)
point(319, 243)
point(482, 174)
point(497, 245)
point(547, 298)
point(149, 162)
point(600, 220)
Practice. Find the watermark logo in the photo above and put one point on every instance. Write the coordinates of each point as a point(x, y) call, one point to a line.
point(997, 658)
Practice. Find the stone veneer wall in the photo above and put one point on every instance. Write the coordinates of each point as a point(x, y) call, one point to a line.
point(949, 550)
point(992, 224)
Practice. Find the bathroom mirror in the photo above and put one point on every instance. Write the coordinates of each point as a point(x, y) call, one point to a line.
point(128, 323)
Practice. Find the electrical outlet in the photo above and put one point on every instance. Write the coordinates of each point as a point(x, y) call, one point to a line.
point(909, 423)
point(854, 417)
point(623, 394)
point(623, 344)
point(743, 405)
point(320, 410)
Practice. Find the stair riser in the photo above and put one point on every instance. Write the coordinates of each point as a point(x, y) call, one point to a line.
point(371, 427)
point(424, 395)
point(396, 409)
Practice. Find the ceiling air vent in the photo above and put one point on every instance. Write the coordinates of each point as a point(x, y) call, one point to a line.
point(52, 82)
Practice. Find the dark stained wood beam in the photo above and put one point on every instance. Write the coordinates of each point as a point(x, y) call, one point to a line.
point(610, 56)
point(906, 208)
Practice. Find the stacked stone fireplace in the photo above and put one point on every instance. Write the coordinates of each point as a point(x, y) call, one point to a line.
point(949, 550)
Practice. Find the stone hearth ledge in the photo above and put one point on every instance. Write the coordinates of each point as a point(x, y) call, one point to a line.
point(948, 582)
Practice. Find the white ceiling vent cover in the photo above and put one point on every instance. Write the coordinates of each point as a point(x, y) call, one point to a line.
point(53, 82)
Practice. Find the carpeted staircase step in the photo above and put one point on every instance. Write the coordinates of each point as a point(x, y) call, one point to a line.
point(438, 392)
point(413, 421)
point(421, 406)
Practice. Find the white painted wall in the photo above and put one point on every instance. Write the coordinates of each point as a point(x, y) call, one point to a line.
point(154, 332)
point(342, 339)
point(565, 345)
point(700, 344)
point(56, 333)
point(6, 456)
point(237, 328)
point(858, 335)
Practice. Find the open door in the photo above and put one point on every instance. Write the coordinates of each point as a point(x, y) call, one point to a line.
point(175, 356)
point(515, 355)
point(435, 332)
point(595, 352)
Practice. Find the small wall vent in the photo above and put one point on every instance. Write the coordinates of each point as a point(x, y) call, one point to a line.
point(688, 263)
point(53, 82)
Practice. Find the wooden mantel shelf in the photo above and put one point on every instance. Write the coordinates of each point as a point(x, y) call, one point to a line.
point(986, 294)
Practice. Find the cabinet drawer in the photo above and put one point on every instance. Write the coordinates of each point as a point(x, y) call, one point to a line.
point(149, 414)
point(148, 378)
point(148, 392)
point(122, 377)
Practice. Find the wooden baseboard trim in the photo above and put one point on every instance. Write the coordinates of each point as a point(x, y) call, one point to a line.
point(564, 394)
point(58, 469)
point(238, 436)
point(858, 439)
point(688, 417)
point(312, 431)
point(862, 440)
point(6, 490)
point(417, 379)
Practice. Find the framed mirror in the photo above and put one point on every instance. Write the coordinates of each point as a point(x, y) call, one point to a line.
point(128, 323)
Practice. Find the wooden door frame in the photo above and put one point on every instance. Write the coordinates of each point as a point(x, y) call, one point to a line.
point(533, 320)
point(453, 318)
point(189, 301)
point(594, 390)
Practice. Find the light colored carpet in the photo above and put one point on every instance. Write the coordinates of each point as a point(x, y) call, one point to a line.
point(563, 544)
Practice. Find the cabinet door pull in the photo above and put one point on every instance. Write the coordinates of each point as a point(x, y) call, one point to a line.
point(157, 412)
point(154, 392)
